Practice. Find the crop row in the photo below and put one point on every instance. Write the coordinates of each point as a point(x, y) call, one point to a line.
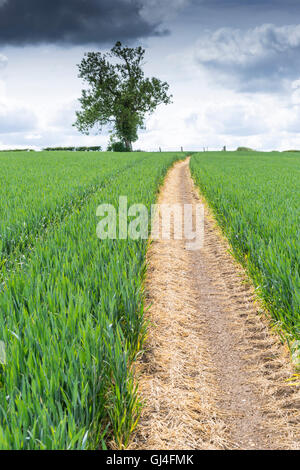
point(39, 190)
point(255, 198)
point(71, 325)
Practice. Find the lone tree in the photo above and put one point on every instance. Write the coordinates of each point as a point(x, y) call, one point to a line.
point(118, 94)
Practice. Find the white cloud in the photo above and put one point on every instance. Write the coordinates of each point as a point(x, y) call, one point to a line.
point(239, 119)
point(15, 119)
point(64, 116)
point(207, 116)
point(204, 113)
point(3, 60)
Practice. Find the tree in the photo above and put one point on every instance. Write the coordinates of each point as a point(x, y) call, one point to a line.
point(116, 146)
point(118, 94)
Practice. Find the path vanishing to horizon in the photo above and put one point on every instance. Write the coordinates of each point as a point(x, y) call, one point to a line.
point(213, 375)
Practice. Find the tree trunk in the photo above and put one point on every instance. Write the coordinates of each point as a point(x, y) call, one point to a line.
point(128, 145)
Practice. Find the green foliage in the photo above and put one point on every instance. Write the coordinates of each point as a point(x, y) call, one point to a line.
point(245, 149)
point(41, 189)
point(118, 93)
point(256, 201)
point(117, 147)
point(71, 306)
point(73, 149)
point(17, 150)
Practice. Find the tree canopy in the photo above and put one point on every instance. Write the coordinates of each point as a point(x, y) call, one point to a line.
point(118, 94)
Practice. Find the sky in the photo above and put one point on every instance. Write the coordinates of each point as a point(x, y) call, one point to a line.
point(233, 67)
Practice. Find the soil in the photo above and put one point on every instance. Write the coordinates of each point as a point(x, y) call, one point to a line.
point(214, 375)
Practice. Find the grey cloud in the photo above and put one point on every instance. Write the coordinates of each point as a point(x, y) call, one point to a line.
point(259, 58)
point(154, 11)
point(82, 21)
point(15, 120)
point(237, 120)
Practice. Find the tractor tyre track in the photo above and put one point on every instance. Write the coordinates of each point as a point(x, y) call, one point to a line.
point(214, 375)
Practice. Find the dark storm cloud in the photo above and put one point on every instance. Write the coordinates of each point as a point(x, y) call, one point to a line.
point(25, 22)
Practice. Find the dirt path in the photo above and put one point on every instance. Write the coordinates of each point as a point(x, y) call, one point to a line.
point(213, 375)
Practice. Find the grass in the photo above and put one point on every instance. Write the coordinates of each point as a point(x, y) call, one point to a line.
point(71, 313)
point(41, 189)
point(256, 201)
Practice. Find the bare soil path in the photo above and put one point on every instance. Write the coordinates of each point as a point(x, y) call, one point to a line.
point(213, 376)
